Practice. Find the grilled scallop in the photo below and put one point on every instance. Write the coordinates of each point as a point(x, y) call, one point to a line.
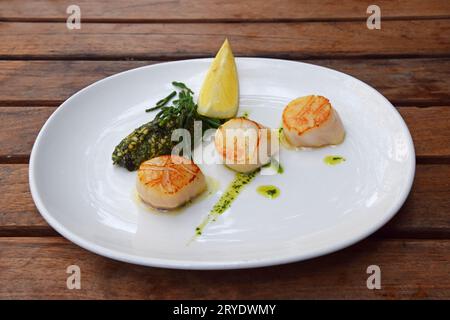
point(311, 121)
point(245, 145)
point(167, 182)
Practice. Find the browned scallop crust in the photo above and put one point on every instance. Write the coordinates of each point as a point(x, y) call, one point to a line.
point(245, 145)
point(311, 121)
point(306, 113)
point(170, 173)
point(169, 181)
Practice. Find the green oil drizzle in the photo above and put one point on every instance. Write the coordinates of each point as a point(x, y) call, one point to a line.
point(227, 198)
point(333, 160)
point(268, 191)
point(283, 140)
point(280, 131)
point(245, 115)
point(274, 165)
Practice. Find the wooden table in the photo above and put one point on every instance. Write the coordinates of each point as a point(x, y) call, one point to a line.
point(42, 63)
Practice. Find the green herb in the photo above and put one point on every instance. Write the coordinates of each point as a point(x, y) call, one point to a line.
point(153, 138)
point(161, 103)
point(182, 86)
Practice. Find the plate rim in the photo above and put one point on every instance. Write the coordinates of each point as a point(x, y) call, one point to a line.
point(211, 265)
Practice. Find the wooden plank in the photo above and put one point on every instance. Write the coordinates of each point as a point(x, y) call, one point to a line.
point(424, 214)
point(51, 82)
point(426, 211)
point(410, 269)
point(429, 127)
point(231, 10)
point(289, 40)
point(403, 81)
point(18, 210)
point(19, 129)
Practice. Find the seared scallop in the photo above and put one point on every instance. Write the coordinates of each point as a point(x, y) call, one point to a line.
point(245, 145)
point(311, 121)
point(169, 181)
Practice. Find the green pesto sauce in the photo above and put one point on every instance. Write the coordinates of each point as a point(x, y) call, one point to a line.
point(280, 134)
point(245, 114)
point(268, 191)
point(283, 140)
point(227, 198)
point(333, 160)
point(274, 165)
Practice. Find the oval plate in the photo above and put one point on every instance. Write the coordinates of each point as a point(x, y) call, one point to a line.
point(321, 208)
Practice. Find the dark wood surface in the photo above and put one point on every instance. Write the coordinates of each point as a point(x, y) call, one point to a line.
point(35, 268)
point(408, 60)
point(224, 11)
point(295, 40)
point(410, 82)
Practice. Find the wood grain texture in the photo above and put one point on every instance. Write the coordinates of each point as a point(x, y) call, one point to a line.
point(408, 61)
point(19, 129)
point(51, 82)
point(231, 10)
point(402, 81)
point(163, 41)
point(426, 211)
point(18, 210)
point(430, 129)
point(36, 268)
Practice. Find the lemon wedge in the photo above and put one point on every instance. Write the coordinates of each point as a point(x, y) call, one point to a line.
point(219, 95)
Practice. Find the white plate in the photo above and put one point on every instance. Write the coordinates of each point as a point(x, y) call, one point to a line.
point(321, 208)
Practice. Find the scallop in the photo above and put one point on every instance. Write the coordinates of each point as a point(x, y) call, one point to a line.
point(167, 182)
point(311, 121)
point(245, 145)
